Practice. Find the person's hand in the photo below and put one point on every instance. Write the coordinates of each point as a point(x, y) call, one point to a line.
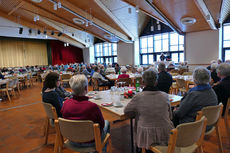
point(67, 98)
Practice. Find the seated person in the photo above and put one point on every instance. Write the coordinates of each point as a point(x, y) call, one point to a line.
point(123, 75)
point(164, 80)
point(139, 72)
point(213, 61)
point(80, 108)
point(101, 80)
point(85, 71)
point(152, 113)
point(110, 69)
point(171, 66)
point(202, 95)
point(222, 89)
point(214, 76)
point(1, 76)
point(62, 92)
point(117, 68)
point(49, 95)
point(102, 70)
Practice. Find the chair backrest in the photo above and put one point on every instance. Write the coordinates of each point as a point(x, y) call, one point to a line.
point(128, 81)
point(181, 83)
point(212, 113)
point(187, 73)
point(11, 83)
point(77, 130)
point(66, 76)
point(190, 133)
point(95, 83)
point(50, 110)
point(174, 74)
point(227, 109)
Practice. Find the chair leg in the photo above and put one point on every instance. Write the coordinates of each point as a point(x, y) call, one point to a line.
point(47, 130)
point(8, 95)
point(143, 150)
point(219, 139)
point(199, 149)
point(56, 145)
point(109, 146)
point(227, 126)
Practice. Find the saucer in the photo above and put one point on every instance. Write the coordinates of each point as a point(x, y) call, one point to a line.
point(117, 104)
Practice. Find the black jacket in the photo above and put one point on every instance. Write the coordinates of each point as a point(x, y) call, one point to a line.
point(164, 81)
point(223, 91)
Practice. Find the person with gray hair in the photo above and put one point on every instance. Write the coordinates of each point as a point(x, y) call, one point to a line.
point(214, 76)
point(123, 71)
point(80, 108)
point(153, 112)
point(202, 95)
point(222, 89)
point(165, 79)
point(139, 72)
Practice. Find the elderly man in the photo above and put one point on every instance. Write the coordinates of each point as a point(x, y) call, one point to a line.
point(165, 79)
point(202, 95)
point(80, 108)
point(85, 71)
point(223, 88)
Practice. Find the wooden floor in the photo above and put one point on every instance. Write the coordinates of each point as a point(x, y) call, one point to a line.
point(22, 122)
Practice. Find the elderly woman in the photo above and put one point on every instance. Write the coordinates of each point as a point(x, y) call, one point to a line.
point(139, 72)
point(49, 94)
point(202, 95)
point(80, 108)
point(152, 113)
point(222, 89)
point(123, 75)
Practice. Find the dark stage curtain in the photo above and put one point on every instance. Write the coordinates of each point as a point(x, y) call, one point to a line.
point(65, 55)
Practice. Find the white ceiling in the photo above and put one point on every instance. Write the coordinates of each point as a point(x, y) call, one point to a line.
point(11, 29)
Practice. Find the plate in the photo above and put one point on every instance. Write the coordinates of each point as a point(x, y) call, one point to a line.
point(117, 104)
point(107, 104)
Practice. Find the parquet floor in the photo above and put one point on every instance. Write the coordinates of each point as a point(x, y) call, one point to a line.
point(22, 120)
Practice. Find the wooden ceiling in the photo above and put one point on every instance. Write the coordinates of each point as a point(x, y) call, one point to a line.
point(169, 12)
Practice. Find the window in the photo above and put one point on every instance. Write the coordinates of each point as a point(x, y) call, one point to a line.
point(226, 42)
point(105, 52)
point(171, 44)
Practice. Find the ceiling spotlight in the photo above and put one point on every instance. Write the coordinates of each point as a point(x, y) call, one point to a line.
point(55, 6)
point(36, 18)
point(37, 1)
point(86, 23)
point(152, 28)
point(129, 10)
point(158, 27)
point(59, 34)
point(78, 21)
point(67, 44)
point(72, 34)
point(52, 32)
point(59, 4)
point(46, 36)
point(44, 32)
point(30, 31)
point(137, 9)
point(39, 32)
point(20, 30)
point(188, 21)
point(158, 22)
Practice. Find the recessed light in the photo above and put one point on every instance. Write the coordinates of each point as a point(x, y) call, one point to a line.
point(78, 21)
point(37, 1)
point(188, 20)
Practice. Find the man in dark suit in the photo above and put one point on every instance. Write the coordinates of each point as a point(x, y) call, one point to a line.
point(1, 76)
point(222, 89)
point(164, 78)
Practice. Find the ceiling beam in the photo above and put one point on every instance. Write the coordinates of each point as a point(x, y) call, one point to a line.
point(206, 14)
point(94, 21)
point(42, 29)
point(170, 24)
point(50, 15)
point(115, 19)
point(17, 7)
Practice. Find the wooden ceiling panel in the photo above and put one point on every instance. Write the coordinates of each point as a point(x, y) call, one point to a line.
point(8, 5)
point(177, 9)
point(214, 7)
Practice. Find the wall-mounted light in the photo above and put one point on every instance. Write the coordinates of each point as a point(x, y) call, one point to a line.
point(137, 9)
point(152, 28)
point(158, 27)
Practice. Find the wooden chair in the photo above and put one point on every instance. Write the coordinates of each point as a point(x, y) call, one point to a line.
point(181, 86)
point(80, 131)
point(128, 81)
point(51, 114)
point(226, 121)
point(187, 73)
point(213, 115)
point(185, 138)
point(6, 90)
point(95, 84)
point(65, 78)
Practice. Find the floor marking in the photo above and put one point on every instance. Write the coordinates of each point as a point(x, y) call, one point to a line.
point(19, 106)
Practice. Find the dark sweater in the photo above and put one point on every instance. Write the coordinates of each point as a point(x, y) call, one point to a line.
point(193, 102)
point(164, 81)
point(79, 108)
point(223, 92)
point(53, 98)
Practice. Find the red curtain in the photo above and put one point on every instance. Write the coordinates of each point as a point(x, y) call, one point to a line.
point(65, 55)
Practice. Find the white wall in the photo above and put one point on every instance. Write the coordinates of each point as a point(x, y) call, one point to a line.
point(125, 53)
point(86, 55)
point(202, 47)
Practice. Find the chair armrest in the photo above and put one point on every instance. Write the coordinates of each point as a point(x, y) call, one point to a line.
point(155, 150)
point(107, 137)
